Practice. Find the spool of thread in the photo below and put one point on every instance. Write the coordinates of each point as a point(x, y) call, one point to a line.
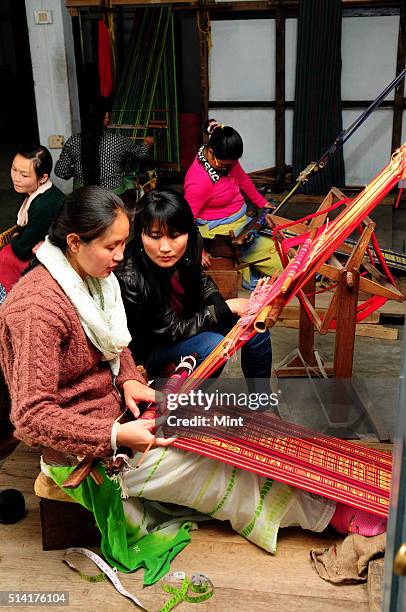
point(12, 506)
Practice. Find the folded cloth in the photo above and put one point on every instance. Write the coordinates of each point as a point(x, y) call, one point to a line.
point(347, 561)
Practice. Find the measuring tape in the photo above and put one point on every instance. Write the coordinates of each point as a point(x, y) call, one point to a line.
point(198, 583)
point(200, 586)
point(110, 572)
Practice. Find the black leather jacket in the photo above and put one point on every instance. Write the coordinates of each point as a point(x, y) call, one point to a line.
point(152, 325)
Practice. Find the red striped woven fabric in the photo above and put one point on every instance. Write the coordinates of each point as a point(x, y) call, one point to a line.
point(334, 468)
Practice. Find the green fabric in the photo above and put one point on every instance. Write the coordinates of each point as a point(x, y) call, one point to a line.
point(124, 544)
point(43, 209)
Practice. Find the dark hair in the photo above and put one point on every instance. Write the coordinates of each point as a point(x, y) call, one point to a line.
point(224, 141)
point(40, 156)
point(173, 214)
point(90, 140)
point(88, 212)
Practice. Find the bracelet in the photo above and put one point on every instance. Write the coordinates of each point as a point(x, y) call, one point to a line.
point(114, 430)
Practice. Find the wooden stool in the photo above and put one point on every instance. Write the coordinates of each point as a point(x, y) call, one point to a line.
point(223, 267)
point(225, 275)
point(64, 523)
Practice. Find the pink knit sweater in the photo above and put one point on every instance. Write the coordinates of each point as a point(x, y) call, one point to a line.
point(217, 200)
point(61, 392)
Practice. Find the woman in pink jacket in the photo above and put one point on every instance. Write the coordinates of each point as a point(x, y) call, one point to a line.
point(216, 187)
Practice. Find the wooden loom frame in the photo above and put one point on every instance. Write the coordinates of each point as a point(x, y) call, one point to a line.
point(342, 309)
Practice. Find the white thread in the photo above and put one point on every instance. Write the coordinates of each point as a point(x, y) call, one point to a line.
point(114, 429)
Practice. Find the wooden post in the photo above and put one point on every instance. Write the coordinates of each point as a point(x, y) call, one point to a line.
point(347, 298)
point(203, 27)
point(280, 96)
point(347, 289)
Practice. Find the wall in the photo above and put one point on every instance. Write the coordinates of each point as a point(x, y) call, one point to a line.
point(54, 73)
point(242, 67)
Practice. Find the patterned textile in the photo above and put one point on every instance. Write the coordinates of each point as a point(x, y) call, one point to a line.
point(136, 532)
point(114, 151)
point(343, 471)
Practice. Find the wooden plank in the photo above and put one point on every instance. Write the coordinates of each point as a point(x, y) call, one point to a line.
point(239, 6)
point(301, 198)
point(375, 584)
point(101, 3)
point(365, 330)
point(245, 577)
point(227, 281)
point(291, 312)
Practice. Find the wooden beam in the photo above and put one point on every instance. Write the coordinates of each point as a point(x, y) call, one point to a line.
point(280, 95)
point(346, 104)
point(203, 27)
point(366, 330)
point(101, 4)
point(258, 5)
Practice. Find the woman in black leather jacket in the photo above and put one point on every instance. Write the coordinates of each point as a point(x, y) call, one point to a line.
point(172, 307)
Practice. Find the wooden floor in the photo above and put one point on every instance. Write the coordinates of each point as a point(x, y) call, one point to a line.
point(245, 577)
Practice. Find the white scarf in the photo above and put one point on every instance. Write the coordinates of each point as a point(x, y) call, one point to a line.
point(22, 215)
point(98, 303)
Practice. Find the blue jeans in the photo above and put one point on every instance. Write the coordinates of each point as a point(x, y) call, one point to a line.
point(256, 354)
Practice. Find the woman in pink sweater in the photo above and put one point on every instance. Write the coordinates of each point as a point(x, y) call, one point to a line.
point(215, 186)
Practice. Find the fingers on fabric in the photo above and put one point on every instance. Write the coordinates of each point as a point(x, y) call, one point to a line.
point(163, 442)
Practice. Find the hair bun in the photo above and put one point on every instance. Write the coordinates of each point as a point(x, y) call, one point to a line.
point(210, 125)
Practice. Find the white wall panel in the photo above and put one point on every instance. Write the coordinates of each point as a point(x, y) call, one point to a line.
point(404, 127)
point(290, 58)
point(242, 65)
point(368, 149)
point(289, 137)
point(257, 130)
point(369, 46)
